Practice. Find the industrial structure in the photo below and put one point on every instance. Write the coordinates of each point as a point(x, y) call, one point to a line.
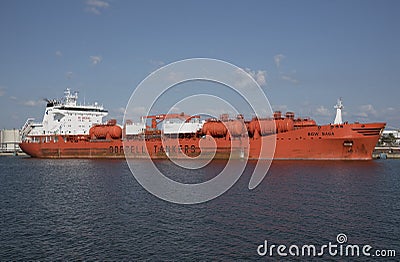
point(9, 142)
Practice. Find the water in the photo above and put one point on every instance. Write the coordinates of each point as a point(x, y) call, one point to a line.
point(95, 209)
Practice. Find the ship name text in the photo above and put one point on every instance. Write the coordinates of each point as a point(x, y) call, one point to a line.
point(328, 133)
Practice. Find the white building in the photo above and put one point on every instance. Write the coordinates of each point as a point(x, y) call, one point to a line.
point(9, 140)
point(395, 133)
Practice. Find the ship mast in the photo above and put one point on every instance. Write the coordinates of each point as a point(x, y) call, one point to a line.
point(70, 99)
point(339, 107)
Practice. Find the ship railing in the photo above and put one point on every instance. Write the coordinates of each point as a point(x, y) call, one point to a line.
point(27, 127)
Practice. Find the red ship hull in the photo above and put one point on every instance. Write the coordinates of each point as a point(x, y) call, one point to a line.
point(328, 142)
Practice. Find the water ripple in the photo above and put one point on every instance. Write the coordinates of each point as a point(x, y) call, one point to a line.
point(95, 210)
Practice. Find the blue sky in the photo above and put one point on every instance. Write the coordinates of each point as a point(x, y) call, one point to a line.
point(305, 54)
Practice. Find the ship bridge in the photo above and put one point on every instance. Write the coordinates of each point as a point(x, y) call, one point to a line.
point(66, 117)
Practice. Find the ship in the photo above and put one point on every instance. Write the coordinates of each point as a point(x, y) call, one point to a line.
point(69, 130)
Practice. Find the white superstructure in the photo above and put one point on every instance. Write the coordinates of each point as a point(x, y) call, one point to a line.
point(178, 126)
point(170, 125)
point(135, 128)
point(339, 107)
point(66, 117)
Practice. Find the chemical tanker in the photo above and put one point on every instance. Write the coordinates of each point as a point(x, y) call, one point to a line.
point(69, 130)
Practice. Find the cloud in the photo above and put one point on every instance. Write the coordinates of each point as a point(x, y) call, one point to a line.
point(2, 91)
point(119, 110)
point(96, 6)
point(284, 76)
point(32, 103)
point(135, 113)
point(242, 79)
point(366, 111)
point(282, 108)
point(323, 111)
point(58, 53)
point(96, 59)
point(69, 75)
point(156, 63)
point(260, 76)
point(369, 109)
point(175, 109)
point(289, 79)
point(175, 77)
point(278, 58)
point(13, 97)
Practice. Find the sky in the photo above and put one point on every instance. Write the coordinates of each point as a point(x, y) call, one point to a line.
point(304, 54)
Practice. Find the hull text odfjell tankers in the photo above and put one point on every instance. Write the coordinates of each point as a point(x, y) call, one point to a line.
point(69, 130)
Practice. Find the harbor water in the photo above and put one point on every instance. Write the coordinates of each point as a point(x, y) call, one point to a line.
point(96, 210)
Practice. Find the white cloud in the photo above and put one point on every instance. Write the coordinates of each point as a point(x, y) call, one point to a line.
point(98, 3)
point(282, 108)
point(323, 111)
point(175, 77)
point(96, 6)
point(242, 79)
point(2, 91)
point(175, 109)
point(285, 76)
point(366, 111)
point(119, 110)
point(139, 110)
point(260, 76)
point(290, 79)
point(96, 59)
point(156, 63)
point(58, 53)
point(369, 109)
point(69, 75)
point(32, 103)
point(278, 58)
point(361, 114)
point(13, 97)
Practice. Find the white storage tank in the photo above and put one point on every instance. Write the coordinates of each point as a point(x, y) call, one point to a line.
point(9, 139)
